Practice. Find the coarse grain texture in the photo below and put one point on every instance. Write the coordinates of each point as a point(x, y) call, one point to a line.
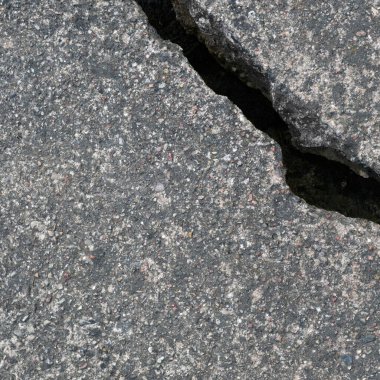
point(146, 229)
point(317, 61)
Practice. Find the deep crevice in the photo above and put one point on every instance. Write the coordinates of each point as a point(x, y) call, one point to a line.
point(320, 182)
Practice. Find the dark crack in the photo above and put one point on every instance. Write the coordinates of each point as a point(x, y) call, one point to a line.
point(320, 182)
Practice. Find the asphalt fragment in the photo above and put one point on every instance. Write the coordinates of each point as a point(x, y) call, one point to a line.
point(321, 182)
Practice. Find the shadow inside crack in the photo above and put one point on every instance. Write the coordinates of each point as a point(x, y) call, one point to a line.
point(320, 182)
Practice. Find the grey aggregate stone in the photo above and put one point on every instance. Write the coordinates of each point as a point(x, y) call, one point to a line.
point(147, 232)
point(317, 61)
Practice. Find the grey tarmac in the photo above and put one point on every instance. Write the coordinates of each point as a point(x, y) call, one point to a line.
point(146, 228)
point(317, 61)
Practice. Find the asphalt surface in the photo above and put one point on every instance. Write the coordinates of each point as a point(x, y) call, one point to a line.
point(146, 227)
point(318, 63)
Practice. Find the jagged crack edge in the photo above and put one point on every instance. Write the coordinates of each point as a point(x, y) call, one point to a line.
point(334, 158)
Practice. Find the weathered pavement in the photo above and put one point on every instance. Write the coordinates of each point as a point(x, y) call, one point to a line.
point(317, 61)
point(146, 229)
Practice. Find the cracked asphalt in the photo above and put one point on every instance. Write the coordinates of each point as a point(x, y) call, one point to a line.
point(146, 228)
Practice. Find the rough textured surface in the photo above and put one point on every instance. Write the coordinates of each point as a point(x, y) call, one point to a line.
point(146, 230)
point(318, 62)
